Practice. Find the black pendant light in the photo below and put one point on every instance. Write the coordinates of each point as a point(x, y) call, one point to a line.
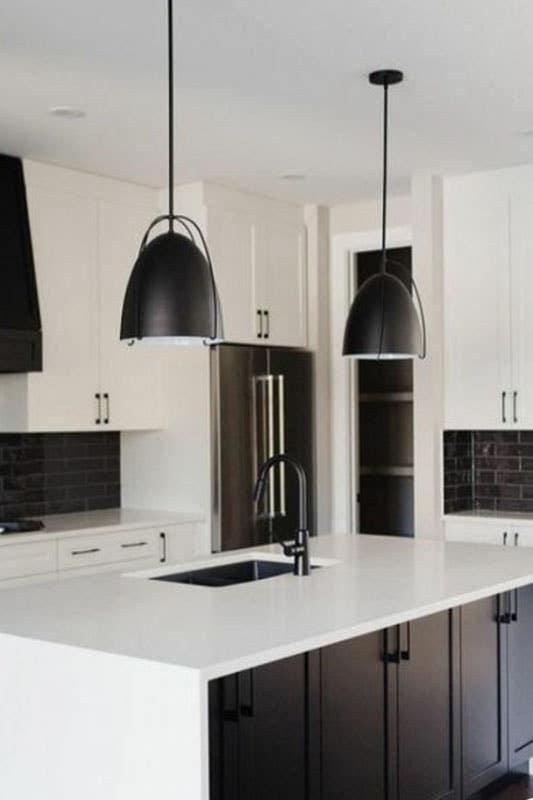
point(383, 322)
point(171, 294)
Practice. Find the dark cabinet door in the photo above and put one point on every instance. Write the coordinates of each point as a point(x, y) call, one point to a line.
point(353, 709)
point(428, 739)
point(520, 661)
point(484, 693)
point(259, 733)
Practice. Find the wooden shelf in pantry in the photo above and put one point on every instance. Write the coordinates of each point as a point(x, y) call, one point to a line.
point(392, 471)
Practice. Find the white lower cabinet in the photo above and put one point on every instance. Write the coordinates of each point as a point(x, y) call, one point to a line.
point(34, 559)
point(105, 551)
point(480, 530)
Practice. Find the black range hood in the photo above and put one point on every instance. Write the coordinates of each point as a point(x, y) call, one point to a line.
point(20, 320)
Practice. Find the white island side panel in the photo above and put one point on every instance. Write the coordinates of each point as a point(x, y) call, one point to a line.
point(85, 725)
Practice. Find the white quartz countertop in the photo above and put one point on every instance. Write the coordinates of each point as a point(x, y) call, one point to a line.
point(378, 582)
point(113, 519)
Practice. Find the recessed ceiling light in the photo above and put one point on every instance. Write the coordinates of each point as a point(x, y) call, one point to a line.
point(292, 176)
point(67, 112)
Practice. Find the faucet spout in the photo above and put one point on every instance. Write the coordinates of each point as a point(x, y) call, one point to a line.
point(299, 549)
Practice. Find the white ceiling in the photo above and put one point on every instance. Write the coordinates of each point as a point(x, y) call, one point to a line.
point(266, 87)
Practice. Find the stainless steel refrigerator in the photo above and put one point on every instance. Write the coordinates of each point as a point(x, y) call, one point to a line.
point(262, 404)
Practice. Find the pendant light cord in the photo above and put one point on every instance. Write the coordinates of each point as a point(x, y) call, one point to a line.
point(170, 118)
point(385, 165)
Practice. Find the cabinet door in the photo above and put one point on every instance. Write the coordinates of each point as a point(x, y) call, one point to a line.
point(522, 302)
point(520, 659)
point(281, 264)
point(483, 691)
point(64, 235)
point(479, 531)
point(231, 244)
point(477, 342)
point(258, 733)
point(353, 719)
point(427, 709)
point(130, 376)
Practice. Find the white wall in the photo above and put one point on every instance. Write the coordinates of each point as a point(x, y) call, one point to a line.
point(429, 373)
point(317, 222)
point(366, 215)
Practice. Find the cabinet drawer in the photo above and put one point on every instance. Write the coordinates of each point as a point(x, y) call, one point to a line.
point(107, 548)
point(479, 532)
point(23, 560)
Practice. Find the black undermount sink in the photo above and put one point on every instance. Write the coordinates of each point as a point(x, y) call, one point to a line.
point(229, 574)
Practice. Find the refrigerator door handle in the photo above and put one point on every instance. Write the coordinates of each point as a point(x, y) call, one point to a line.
point(264, 433)
point(281, 449)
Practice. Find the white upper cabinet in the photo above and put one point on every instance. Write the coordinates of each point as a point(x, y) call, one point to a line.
point(130, 378)
point(258, 249)
point(478, 371)
point(280, 269)
point(488, 299)
point(231, 244)
point(521, 254)
point(64, 228)
point(85, 233)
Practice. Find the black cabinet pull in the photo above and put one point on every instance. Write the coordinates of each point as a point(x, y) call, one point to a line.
point(505, 537)
point(405, 653)
point(98, 398)
point(504, 395)
point(260, 324)
point(514, 612)
point(394, 656)
point(107, 408)
point(163, 538)
point(516, 537)
point(230, 696)
point(246, 693)
point(267, 324)
point(504, 611)
point(85, 552)
point(515, 412)
point(134, 544)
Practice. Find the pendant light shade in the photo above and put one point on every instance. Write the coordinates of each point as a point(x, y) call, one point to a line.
point(383, 321)
point(171, 295)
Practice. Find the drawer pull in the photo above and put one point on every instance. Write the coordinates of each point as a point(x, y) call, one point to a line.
point(134, 544)
point(85, 552)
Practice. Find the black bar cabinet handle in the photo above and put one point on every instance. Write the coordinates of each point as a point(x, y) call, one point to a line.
point(516, 537)
point(85, 552)
point(504, 616)
point(107, 409)
point(504, 395)
point(515, 411)
point(163, 538)
point(405, 653)
point(394, 657)
point(246, 693)
point(505, 534)
point(514, 612)
point(260, 324)
point(267, 324)
point(98, 398)
point(134, 544)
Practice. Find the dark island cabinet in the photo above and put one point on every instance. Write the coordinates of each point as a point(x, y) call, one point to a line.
point(484, 692)
point(519, 617)
point(424, 710)
point(434, 709)
point(353, 689)
point(260, 728)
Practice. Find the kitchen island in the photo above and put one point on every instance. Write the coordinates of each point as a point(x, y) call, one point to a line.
point(107, 682)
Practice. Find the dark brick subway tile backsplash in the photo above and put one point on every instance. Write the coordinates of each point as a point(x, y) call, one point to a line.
point(488, 470)
point(58, 473)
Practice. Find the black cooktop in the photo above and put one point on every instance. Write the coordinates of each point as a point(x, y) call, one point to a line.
point(21, 526)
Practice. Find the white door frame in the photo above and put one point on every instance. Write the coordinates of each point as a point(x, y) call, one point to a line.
point(343, 376)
